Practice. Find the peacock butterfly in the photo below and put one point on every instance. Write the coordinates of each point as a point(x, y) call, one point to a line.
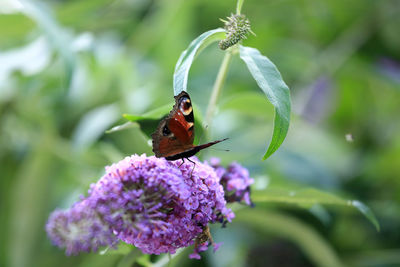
point(174, 136)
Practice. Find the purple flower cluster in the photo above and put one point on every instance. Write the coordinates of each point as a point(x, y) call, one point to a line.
point(151, 203)
point(79, 229)
point(235, 180)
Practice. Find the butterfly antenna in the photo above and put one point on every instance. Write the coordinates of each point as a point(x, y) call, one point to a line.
point(219, 149)
point(202, 134)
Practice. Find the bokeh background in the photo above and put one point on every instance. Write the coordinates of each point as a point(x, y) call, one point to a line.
point(70, 69)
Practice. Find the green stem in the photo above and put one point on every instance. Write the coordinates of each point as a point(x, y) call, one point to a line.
point(239, 6)
point(219, 82)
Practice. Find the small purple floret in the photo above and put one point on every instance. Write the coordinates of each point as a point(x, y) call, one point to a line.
point(235, 180)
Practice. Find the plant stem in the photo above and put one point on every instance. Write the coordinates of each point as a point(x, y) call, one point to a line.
point(239, 6)
point(219, 82)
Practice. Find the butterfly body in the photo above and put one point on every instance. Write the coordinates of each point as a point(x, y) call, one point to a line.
point(174, 136)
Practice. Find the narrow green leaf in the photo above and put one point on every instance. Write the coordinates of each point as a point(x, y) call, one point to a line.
point(374, 257)
point(130, 259)
point(122, 249)
point(154, 114)
point(57, 35)
point(317, 249)
point(364, 209)
point(93, 125)
point(126, 125)
point(144, 260)
point(239, 102)
point(157, 114)
point(166, 259)
point(308, 197)
point(33, 175)
point(186, 59)
point(270, 81)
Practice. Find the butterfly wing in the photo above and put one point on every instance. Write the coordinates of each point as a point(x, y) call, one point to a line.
point(192, 150)
point(175, 133)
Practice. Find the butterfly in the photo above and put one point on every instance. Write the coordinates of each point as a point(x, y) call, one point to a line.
point(174, 136)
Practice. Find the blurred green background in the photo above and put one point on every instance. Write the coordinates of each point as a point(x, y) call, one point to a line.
point(69, 69)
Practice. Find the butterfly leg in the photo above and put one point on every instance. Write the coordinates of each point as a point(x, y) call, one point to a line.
point(183, 161)
point(194, 165)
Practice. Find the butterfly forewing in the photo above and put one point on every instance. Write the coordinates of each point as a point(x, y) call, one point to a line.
point(174, 136)
point(175, 133)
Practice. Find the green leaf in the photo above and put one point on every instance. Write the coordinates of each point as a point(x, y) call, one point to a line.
point(130, 254)
point(122, 249)
point(186, 59)
point(157, 114)
point(147, 122)
point(35, 173)
point(308, 197)
point(126, 125)
point(154, 114)
point(168, 259)
point(57, 35)
point(364, 209)
point(93, 125)
point(240, 102)
point(130, 259)
point(306, 238)
point(30, 59)
point(144, 260)
point(270, 81)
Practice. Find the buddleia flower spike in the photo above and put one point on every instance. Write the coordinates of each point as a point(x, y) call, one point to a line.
point(238, 28)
